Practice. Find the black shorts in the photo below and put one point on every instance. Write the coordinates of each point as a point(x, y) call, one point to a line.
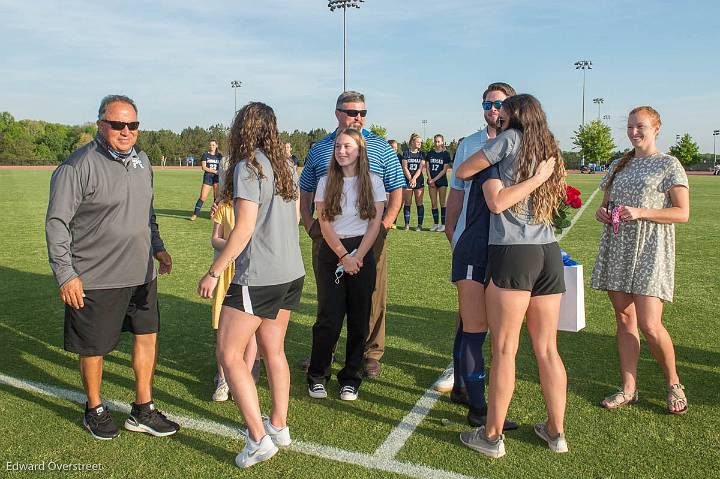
point(461, 270)
point(265, 301)
point(537, 268)
point(94, 330)
point(441, 183)
point(210, 178)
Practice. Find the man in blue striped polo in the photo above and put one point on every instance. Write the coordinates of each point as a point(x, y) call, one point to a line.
point(350, 112)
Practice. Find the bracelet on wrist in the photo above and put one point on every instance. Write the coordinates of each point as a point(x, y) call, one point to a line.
point(213, 274)
point(341, 257)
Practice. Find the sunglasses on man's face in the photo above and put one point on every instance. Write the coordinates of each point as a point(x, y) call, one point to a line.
point(354, 113)
point(489, 104)
point(120, 125)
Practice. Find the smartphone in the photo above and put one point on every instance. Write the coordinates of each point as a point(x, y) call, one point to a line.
point(610, 207)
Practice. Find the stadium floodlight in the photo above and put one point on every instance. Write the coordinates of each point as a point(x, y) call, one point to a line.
point(715, 135)
point(235, 85)
point(424, 124)
point(583, 65)
point(344, 5)
point(598, 102)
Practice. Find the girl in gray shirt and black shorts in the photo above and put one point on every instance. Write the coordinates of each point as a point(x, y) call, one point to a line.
point(524, 275)
point(269, 274)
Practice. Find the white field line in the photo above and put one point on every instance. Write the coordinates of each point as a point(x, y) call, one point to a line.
point(402, 432)
point(369, 461)
point(577, 215)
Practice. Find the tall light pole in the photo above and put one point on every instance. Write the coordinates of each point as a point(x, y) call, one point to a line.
point(424, 124)
point(583, 65)
point(235, 85)
point(606, 117)
point(344, 4)
point(715, 135)
point(598, 102)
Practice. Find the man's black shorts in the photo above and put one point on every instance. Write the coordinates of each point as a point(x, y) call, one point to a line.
point(210, 179)
point(537, 268)
point(94, 330)
point(265, 301)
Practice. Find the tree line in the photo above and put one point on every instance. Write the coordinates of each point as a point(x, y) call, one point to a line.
point(36, 142)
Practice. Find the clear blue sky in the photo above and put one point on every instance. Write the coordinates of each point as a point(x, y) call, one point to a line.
point(413, 60)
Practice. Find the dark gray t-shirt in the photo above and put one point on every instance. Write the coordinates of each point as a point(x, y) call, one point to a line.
point(272, 255)
point(509, 228)
point(100, 222)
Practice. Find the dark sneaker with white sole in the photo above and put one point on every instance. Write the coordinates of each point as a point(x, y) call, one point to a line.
point(476, 418)
point(99, 422)
point(145, 418)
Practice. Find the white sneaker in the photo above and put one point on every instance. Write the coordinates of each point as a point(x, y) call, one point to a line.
point(434, 228)
point(281, 437)
point(556, 443)
point(446, 381)
point(348, 393)
point(317, 391)
point(222, 391)
point(441, 228)
point(255, 452)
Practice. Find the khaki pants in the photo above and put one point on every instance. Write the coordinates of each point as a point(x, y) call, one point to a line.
point(375, 343)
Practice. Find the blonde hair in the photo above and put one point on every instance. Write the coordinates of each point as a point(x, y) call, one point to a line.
point(334, 185)
point(537, 144)
point(622, 163)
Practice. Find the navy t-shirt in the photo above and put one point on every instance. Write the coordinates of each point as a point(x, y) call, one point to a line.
point(212, 161)
point(413, 161)
point(472, 246)
point(436, 161)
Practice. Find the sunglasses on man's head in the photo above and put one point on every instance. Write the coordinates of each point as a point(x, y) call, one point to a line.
point(120, 125)
point(354, 113)
point(489, 104)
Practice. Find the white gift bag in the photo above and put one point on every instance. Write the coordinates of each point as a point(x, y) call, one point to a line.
point(572, 305)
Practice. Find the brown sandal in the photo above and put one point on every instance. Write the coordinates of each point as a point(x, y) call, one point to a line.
point(619, 399)
point(676, 397)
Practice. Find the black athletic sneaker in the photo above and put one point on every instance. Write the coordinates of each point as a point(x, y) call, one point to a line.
point(476, 418)
point(145, 418)
point(98, 421)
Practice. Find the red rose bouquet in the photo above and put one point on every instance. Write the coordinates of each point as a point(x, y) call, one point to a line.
point(572, 200)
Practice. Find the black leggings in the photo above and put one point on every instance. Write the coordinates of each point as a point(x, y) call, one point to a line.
point(351, 297)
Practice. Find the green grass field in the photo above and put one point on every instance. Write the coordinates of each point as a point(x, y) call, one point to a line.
point(640, 441)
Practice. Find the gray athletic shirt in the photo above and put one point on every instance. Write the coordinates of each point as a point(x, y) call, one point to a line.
point(272, 255)
point(507, 228)
point(100, 222)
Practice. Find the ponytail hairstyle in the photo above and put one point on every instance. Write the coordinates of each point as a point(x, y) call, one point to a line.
point(412, 138)
point(622, 163)
point(444, 146)
point(334, 186)
point(255, 127)
point(537, 144)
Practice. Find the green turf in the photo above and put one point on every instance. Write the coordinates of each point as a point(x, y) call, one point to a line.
point(641, 441)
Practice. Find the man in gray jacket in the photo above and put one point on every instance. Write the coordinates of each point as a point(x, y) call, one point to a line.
point(102, 237)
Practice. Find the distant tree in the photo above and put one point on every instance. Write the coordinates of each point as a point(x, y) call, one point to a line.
point(379, 130)
point(595, 142)
point(686, 150)
point(427, 145)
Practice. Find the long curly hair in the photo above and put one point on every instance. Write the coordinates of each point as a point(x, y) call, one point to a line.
point(334, 186)
point(255, 127)
point(622, 163)
point(537, 144)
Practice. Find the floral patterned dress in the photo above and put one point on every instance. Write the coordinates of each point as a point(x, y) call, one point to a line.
point(640, 258)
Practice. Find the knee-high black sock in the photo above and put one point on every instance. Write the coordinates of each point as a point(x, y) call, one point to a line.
point(435, 216)
point(406, 214)
point(473, 367)
point(457, 358)
point(442, 214)
point(421, 214)
point(198, 206)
